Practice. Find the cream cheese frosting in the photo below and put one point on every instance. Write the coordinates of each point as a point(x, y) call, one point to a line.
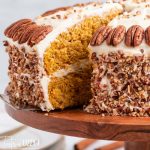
point(137, 17)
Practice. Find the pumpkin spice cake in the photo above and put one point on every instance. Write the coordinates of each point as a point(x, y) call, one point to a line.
point(48, 65)
point(121, 66)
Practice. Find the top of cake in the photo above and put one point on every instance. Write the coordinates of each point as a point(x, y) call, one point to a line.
point(128, 32)
point(45, 28)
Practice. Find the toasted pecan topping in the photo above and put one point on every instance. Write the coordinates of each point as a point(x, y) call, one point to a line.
point(114, 36)
point(5, 43)
point(94, 38)
point(147, 35)
point(134, 36)
point(39, 34)
point(100, 35)
point(54, 11)
point(27, 33)
point(26, 30)
point(119, 35)
point(11, 29)
point(110, 37)
point(20, 31)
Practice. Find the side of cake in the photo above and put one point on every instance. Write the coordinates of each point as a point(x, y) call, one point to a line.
point(121, 66)
point(49, 65)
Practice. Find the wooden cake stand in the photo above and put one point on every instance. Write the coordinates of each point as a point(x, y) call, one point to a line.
point(134, 131)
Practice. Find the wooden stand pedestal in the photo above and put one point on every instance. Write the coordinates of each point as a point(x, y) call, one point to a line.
point(80, 124)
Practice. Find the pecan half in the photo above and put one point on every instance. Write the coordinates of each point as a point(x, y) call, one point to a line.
point(20, 30)
point(50, 12)
point(116, 35)
point(110, 37)
point(12, 28)
point(27, 33)
point(39, 34)
point(93, 39)
point(100, 35)
point(147, 35)
point(134, 36)
point(103, 35)
point(119, 35)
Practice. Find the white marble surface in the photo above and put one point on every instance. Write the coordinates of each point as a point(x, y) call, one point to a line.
point(12, 10)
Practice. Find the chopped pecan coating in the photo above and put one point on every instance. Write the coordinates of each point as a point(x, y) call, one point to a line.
point(110, 37)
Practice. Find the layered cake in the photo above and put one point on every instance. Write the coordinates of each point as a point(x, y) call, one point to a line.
point(48, 65)
point(120, 55)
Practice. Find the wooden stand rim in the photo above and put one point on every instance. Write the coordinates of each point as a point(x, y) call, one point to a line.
point(75, 122)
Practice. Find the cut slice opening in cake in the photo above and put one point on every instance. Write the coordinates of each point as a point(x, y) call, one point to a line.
point(71, 48)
